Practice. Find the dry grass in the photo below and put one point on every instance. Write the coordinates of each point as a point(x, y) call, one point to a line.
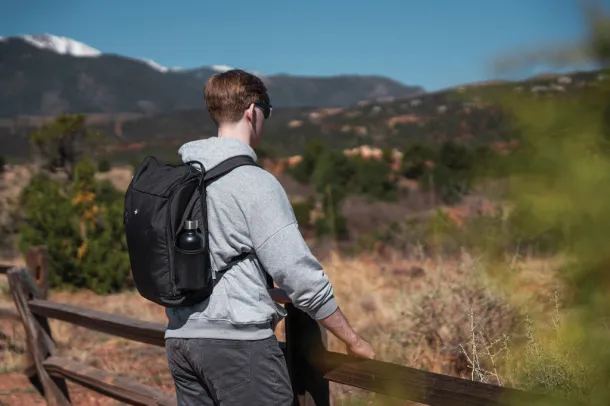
point(415, 311)
point(421, 311)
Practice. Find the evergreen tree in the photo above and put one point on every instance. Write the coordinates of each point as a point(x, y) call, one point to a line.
point(303, 171)
point(331, 178)
point(64, 141)
point(373, 178)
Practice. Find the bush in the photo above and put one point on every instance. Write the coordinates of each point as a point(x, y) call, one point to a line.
point(303, 171)
point(415, 156)
point(372, 177)
point(334, 176)
point(135, 162)
point(552, 364)
point(456, 316)
point(302, 209)
point(2, 163)
point(81, 224)
point(103, 165)
point(440, 179)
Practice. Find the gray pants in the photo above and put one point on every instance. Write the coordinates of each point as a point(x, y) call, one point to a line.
point(210, 372)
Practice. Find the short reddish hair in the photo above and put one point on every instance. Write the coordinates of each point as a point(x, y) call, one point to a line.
point(229, 93)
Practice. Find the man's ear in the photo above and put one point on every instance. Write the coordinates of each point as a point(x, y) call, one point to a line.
point(251, 113)
point(248, 114)
point(254, 119)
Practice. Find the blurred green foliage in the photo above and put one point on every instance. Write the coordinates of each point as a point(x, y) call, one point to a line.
point(558, 191)
point(557, 186)
point(77, 217)
point(103, 165)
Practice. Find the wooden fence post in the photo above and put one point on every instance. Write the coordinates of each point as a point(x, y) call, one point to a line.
point(38, 336)
point(305, 342)
point(37, 263)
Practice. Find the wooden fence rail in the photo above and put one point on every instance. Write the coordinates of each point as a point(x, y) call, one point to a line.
point(311, 365)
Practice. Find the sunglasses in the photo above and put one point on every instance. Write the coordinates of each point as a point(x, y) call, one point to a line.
point(267, 108)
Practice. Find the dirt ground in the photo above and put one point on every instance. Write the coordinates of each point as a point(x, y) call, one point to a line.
point(15, 389)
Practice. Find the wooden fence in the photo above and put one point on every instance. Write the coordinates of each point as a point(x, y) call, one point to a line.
point(310, 364)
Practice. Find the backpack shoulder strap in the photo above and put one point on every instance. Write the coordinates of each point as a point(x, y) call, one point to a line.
point(216, 173)
point(227, 166)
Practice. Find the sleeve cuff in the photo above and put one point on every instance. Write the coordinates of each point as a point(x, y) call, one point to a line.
point(325, 310)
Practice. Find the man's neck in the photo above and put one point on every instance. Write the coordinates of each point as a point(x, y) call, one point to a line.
point(238, 131)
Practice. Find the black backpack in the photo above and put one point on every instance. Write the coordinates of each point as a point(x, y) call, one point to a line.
point(159, 199)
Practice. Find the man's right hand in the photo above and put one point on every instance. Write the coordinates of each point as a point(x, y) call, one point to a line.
point(361, 349)
point(337, 324)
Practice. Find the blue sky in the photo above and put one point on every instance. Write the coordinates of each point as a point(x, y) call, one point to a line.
point(433, 43)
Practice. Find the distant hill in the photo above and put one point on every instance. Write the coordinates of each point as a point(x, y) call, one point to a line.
point(460, 113)
point(46, 75)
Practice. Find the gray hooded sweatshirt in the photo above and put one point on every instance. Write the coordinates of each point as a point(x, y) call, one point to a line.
point(248, 210)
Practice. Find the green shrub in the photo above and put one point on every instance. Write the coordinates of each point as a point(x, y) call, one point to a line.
point(444, 183)
point(49, 220)
point(334, 225)
point(303, 171)
point(302, 209)
point(135, 162)
point(103, 165)
point(81, 224)
point(372, 177)
point(2, 163)
point(415, 156)
point(552, 363)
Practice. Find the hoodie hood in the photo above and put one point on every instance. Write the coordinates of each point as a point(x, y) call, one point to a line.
point(212, 151)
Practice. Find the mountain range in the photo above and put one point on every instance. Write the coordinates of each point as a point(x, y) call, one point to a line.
point(50, 75)
point(45, 75)
point(462, 113)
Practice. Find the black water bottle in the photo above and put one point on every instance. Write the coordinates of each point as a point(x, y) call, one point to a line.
point(190, 257)
point(190, 239)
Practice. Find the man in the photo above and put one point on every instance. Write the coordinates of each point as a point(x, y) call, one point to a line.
point(223, 351)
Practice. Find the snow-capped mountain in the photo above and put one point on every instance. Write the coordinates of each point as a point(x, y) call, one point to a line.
point(61, 45)
point(79, 78)
point(221, 68)
point(154, 65)
point(69, 46)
